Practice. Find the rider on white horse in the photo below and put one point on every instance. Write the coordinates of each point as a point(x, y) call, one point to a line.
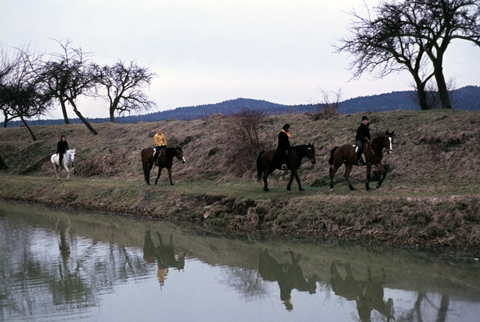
point(62, 147)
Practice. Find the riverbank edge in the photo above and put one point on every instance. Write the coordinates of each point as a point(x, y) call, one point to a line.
point(449, 224)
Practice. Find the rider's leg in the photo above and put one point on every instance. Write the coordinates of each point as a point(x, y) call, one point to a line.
point(359, 144)
point(60, 159)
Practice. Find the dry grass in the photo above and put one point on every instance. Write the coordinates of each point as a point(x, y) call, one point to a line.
point(431, 192)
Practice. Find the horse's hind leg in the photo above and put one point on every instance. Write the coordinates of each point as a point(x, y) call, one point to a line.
point(348, 169)
point(146, 172)
point(55, 172)
point(333, 170)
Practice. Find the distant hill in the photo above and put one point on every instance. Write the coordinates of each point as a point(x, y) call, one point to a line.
point(465, 98)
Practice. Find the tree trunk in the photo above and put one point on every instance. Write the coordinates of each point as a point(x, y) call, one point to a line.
point(80, 116)
point(64, 111)
point(442, 88)
point(113, 108)
point(112, 115)
point(422, 98)
point(29, 129)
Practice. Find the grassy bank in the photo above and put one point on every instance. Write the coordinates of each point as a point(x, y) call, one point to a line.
point(431, 197)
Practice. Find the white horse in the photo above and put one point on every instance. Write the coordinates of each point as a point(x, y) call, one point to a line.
point(68, 159)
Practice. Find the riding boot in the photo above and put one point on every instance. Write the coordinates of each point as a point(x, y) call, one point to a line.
point(359, 158)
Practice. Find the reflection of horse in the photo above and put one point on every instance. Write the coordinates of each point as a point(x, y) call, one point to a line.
point(164, 255)
point(68, 159)
point(288, 276)
point(368, 294)
point(373, 156)
point(165, 160)
point(266, 165)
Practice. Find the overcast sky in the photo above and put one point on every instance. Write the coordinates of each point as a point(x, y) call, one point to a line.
point(211, 51)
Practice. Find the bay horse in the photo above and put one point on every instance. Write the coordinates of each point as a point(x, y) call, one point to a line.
point(347, 155)
point(68, 159)
point(266, 166)
point(165, 160)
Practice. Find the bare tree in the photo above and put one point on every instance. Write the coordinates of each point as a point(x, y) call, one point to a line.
point(406, 35)
point(244, 138)
point(21, 95)
point(8, 64)
point(328, 108)
point(68, 76)
point(376, 45)
point(124, 87)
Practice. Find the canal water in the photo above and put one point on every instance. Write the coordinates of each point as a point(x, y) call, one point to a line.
point(74, 266)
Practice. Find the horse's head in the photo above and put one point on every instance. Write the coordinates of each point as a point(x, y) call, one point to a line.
point(388, 141)
point(72, 156)
point(311, 153)
point(179, 154)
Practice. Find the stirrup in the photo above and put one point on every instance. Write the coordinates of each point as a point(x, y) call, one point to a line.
point(284, 167)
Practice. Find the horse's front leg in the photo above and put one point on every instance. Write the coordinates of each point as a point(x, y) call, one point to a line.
point(369, 170)
point(68, 172)
point(383, 174)
point(158, 175)
point(170, 175)
point(292, 175)
point(266, 172)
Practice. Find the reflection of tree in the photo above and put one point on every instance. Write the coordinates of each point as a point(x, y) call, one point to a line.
point(163, 254)
point(65, 278)
point(368, 294)
point(288, 276)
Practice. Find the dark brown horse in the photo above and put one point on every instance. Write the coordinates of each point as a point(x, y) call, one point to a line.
point(266, 165)
point(165, 160)
point(373, 156)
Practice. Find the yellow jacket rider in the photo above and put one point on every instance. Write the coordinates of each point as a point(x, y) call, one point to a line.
point(160, 144)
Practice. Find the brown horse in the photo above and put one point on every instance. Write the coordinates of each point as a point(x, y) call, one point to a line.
point(266, 166)
point(165, 160)
point(373, 156)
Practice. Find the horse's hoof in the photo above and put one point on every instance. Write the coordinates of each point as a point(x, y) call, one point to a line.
point(331, 190)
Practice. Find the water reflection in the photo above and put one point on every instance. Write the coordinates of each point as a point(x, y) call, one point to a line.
point(289, 276)
point(368, 294)
point(164, 256)
point(56, 266)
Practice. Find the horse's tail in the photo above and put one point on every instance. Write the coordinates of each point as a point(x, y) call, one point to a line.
point(259, 166)
point(332, 155)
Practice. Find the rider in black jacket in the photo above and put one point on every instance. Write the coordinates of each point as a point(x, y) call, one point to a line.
point(62, 147)
point(283, 147)
point(362, 137)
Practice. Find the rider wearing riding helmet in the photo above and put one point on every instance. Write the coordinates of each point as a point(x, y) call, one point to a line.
point(160, 144)
point(362, 137)
point(62, 147)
